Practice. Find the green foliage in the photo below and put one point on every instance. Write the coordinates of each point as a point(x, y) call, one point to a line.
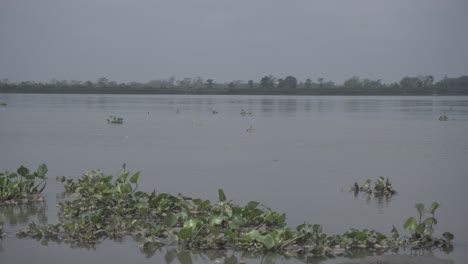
point(115, 120)
point(23, 186)
point(422, 229)
point(103, 206)
point(381, 187)
point(222, 196)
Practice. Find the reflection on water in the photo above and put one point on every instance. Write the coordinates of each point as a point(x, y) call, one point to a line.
point(263, 104)
point(23, 214)
point(177, 255)
point(380, 200)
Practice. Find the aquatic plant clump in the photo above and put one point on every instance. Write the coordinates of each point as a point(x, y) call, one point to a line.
point(3, 104)
point(23, 186)
point(99, 206)
point(115, 120)
point(381, 187)
point(443, 118)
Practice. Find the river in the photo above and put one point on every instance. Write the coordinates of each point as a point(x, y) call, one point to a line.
point(294, 154)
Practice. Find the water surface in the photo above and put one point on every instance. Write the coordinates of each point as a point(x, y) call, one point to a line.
point(299, 157)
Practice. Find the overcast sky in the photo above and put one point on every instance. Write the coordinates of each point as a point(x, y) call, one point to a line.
point(141, 40)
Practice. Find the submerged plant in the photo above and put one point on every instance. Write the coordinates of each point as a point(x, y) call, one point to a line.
point(22, 186)
point(115, 120)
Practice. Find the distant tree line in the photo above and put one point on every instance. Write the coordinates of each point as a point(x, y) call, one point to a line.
point(269, 84)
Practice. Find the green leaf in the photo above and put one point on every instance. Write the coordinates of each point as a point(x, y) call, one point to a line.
point(421, 208)
point(23, 171)
point(231, 234)
point(361, 236)
point(267, 241)
point(429, 230)
point(170, 220)
point(395, 233)
point(185, 233)
point(236, 222)
point(434, 207)
point(380, 236)
point(252, 205)
point(420, 228)
point(282, 219)
point(430, 221)
point(254, 234)
point(74, 196)
point(300, 227)
point(216, 220)
point(41, 171)
point(125, 188)
point(317, 228)
point(222, 196)
point(449, 236)
point(123, 177)
point(192, 223)
point(410, 224)
point(134, 177)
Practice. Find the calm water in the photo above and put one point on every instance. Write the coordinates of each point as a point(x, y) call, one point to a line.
point(299, 158)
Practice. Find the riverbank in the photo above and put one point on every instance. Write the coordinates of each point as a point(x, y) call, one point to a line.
point(221, 91)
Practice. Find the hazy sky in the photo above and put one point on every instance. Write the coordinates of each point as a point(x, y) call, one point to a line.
point(128, 40)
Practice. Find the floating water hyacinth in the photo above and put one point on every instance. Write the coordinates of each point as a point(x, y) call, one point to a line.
point(381, 187)
point(100, 206)
point(115, 120)
point(23, 186)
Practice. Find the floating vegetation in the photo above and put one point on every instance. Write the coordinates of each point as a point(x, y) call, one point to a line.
point(243, 112)
point(115, 120)
point(22, 186)
point(422, 229)
point(443, 118)
point(3, 104)
point(381, 187)
point(98, 206)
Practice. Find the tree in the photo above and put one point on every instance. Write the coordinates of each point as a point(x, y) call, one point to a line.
point(353, 83)
point(233, 84)
point(209, 83)
point(308, 83)
point(267, 82)
point(411, 83)
point(198, 83)
point(251, 84)
point(102, 81)
point(291, 82)
point(185, 83)
point(428, 80)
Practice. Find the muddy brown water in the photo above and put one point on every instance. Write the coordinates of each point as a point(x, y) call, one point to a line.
point(299, 157)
